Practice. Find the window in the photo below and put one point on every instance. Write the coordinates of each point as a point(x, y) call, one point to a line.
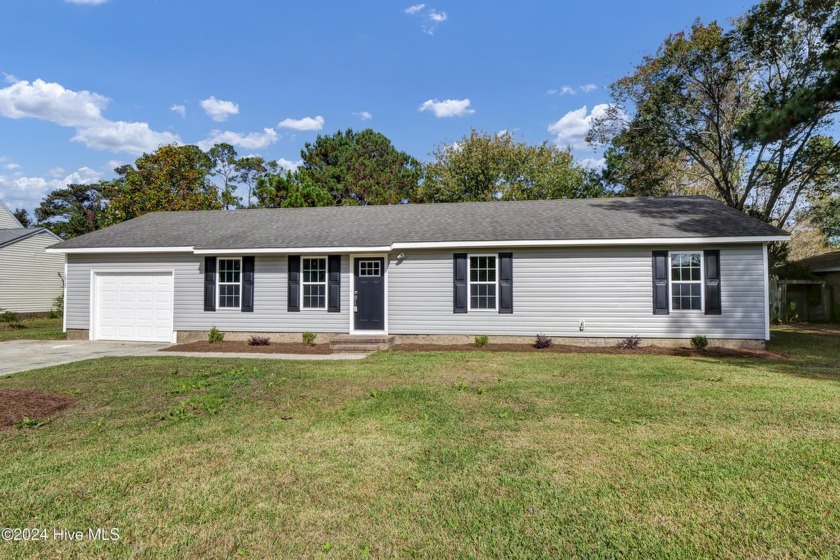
point(483, 282)
point(369, 268)
point(686, 281)
point(314, 283)
point(230, 283)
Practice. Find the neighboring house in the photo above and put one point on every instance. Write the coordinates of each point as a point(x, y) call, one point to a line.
point(592, 270)
point(813, 285)
point(29, 277)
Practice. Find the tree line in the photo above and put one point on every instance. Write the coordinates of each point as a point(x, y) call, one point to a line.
point(746, 115)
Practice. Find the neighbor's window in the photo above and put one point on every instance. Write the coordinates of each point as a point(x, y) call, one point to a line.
point(483, 282)
point(314, 283)
point(230, 287)
point(686, 281)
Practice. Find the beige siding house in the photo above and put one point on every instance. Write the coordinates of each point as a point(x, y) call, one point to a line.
point(30, 278)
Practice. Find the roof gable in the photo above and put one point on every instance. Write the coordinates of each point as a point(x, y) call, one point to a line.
point(7, 218)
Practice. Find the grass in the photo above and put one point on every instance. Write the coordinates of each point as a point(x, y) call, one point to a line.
point(436, 455)
point(39, 328)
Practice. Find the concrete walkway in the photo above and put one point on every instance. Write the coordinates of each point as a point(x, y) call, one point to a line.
point(23, 355)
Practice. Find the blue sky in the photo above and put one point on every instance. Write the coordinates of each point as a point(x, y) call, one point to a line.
point(90, 84)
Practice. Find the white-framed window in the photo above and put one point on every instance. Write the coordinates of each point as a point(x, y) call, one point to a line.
point(230, 283)
point(686, 275)
point(314, 282)
point(482, 282)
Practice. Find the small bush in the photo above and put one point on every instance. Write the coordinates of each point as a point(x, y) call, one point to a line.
point(58, 306)
point(482, 340)
point(9, 317)
point(309, 338)
point(629, 343)
point(542, 341)
point(215, 335)
point(258, 341)
point(699, 342)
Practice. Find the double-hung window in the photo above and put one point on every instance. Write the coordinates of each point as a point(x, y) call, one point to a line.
point(482, 282)
point(314, 284)
point(230, 283)
point(686, 280)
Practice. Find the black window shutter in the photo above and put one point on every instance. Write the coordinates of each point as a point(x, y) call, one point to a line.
point(460, 282)
point(505, 282)
point(294, 283)
point(247, 284)
point(660, 283)
point(712, 282)
point(209, 283)
point(334, 284)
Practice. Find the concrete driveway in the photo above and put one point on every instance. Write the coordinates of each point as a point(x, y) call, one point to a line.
point(23, 355)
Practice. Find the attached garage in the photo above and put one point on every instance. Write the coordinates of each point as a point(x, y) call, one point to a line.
point(133, 306)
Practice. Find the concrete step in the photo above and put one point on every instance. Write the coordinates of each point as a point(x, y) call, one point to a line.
point(361, 343)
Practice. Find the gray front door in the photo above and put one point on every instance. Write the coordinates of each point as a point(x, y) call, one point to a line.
point(369, 296)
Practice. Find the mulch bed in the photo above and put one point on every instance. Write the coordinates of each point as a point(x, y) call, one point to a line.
point(710, 352)
point(243, 346)
point(17, 404)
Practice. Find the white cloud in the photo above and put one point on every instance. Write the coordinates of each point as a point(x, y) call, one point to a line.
point(180, 109)
point(447, 107)
point(306, 123)
point(81, 110)
point(250, 141)
point(437, 17)
point(219, 110)
point(364, 115)
point(121, 136)
point(289, 165)
point(27, 192)
point(10, 78)
point(573, 127)
point(87, 2)
point(51, 102)
point(56, 172)
point(571, 90)
point(411, 10)
point(11, 166)
point(594, 164)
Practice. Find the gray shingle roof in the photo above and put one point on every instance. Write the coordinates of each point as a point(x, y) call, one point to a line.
point(12, 235)
point(369, 226)
point(822, 262)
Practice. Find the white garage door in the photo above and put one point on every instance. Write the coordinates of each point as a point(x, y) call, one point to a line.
point(133, 306)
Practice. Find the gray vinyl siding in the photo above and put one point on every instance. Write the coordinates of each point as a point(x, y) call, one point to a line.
point(270, 294)
point(29, 277)
point(609, 288)
point(553, 289)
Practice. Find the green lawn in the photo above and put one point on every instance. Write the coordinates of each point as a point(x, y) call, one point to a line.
point(437, 455)
point(40, 329)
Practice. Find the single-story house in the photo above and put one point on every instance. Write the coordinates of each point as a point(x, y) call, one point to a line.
point(593, 270)
point(30, 279)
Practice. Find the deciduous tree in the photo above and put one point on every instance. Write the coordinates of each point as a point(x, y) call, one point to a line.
point(170, 178)
point(483, 166)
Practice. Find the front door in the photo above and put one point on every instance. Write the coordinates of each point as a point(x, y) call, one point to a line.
point(369, 296)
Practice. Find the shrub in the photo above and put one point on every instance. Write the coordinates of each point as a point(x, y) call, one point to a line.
point(57, 308)
point(482, 340)
point(9, 317)
point(629, 343)
point(542, 341)
point(699, 342)
point(215, 335)
point(309, 338)
point(258, 341)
